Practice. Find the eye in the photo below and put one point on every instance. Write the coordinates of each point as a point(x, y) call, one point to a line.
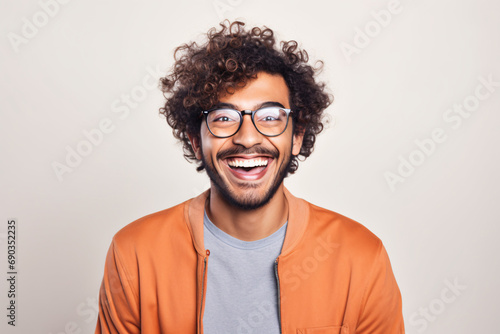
point(222, 119)
point(270, 114)
point(269, 118)
point(220, 116)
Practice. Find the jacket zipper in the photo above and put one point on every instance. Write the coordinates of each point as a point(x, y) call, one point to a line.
point(205, 259)
point(279, 295)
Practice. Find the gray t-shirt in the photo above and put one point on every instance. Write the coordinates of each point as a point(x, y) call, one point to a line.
point(241, 292)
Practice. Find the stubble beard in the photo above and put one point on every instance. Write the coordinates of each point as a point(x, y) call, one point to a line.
point(249, 202)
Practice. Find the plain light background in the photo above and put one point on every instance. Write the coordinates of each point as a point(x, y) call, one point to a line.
point(440, 226)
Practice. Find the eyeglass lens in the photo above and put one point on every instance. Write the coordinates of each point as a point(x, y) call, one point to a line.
point(269, 121)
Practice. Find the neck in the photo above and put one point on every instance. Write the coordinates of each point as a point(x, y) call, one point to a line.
point(248, 225)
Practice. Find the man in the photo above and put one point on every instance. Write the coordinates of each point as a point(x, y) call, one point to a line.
point(246, 256)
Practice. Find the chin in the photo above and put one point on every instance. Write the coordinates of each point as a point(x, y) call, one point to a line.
point(248, 202)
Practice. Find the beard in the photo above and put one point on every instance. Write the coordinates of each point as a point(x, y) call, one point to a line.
point(248, 201)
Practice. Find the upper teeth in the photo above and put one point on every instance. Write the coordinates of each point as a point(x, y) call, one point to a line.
point(247, 163)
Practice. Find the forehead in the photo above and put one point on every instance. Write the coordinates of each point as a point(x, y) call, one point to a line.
point(265, 88)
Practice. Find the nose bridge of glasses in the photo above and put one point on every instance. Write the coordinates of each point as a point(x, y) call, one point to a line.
point(249, 122)
point(246, 112)
point(247, 134)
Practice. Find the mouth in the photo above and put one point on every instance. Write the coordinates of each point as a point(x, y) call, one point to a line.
point(248, 168)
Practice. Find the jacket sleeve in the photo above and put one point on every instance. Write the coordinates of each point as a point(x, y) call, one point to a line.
point(381, 311)
point(118, 297)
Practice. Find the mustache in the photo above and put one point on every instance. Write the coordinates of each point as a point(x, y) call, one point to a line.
point(241, 150)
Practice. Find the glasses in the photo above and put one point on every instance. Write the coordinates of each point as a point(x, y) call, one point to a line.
point(226, 122)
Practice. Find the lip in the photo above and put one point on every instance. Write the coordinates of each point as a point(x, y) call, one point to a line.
point(247, 156)
point(244, 176)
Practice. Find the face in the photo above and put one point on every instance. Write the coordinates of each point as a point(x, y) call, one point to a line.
point(248, 168)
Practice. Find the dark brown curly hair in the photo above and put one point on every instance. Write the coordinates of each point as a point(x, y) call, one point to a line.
point(227, 61)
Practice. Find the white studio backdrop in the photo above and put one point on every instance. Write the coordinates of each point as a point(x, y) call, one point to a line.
point(411, 150)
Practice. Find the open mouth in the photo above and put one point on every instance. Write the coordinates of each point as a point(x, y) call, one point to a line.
point(244, 166)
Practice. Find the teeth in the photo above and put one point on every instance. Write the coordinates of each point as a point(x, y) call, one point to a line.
point(247, 163)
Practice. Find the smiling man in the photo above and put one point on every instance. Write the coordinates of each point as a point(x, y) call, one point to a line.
point(246, 256)
point(247, 156)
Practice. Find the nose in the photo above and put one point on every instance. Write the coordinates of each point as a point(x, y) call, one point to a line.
point(247, 135)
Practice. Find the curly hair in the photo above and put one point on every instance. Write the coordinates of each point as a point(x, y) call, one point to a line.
point(226, 62)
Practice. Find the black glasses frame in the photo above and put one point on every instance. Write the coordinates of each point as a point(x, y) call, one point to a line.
point(243, 113)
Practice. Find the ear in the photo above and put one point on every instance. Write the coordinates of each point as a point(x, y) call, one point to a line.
point(196, 145)
point(297, 142)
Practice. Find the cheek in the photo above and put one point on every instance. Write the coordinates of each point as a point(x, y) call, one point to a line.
point(205, 142)
point(285, 144)
point(210, 144)
point(282, 145)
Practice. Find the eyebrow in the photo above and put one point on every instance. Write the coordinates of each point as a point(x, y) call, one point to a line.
point(258, 106)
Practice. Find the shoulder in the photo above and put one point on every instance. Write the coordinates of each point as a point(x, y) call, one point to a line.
point(346, 232)
point(153, 228)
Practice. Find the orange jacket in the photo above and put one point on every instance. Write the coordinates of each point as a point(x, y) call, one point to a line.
point(334, 276)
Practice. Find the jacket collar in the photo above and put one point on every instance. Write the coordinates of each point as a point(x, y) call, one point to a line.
point(298, 217)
